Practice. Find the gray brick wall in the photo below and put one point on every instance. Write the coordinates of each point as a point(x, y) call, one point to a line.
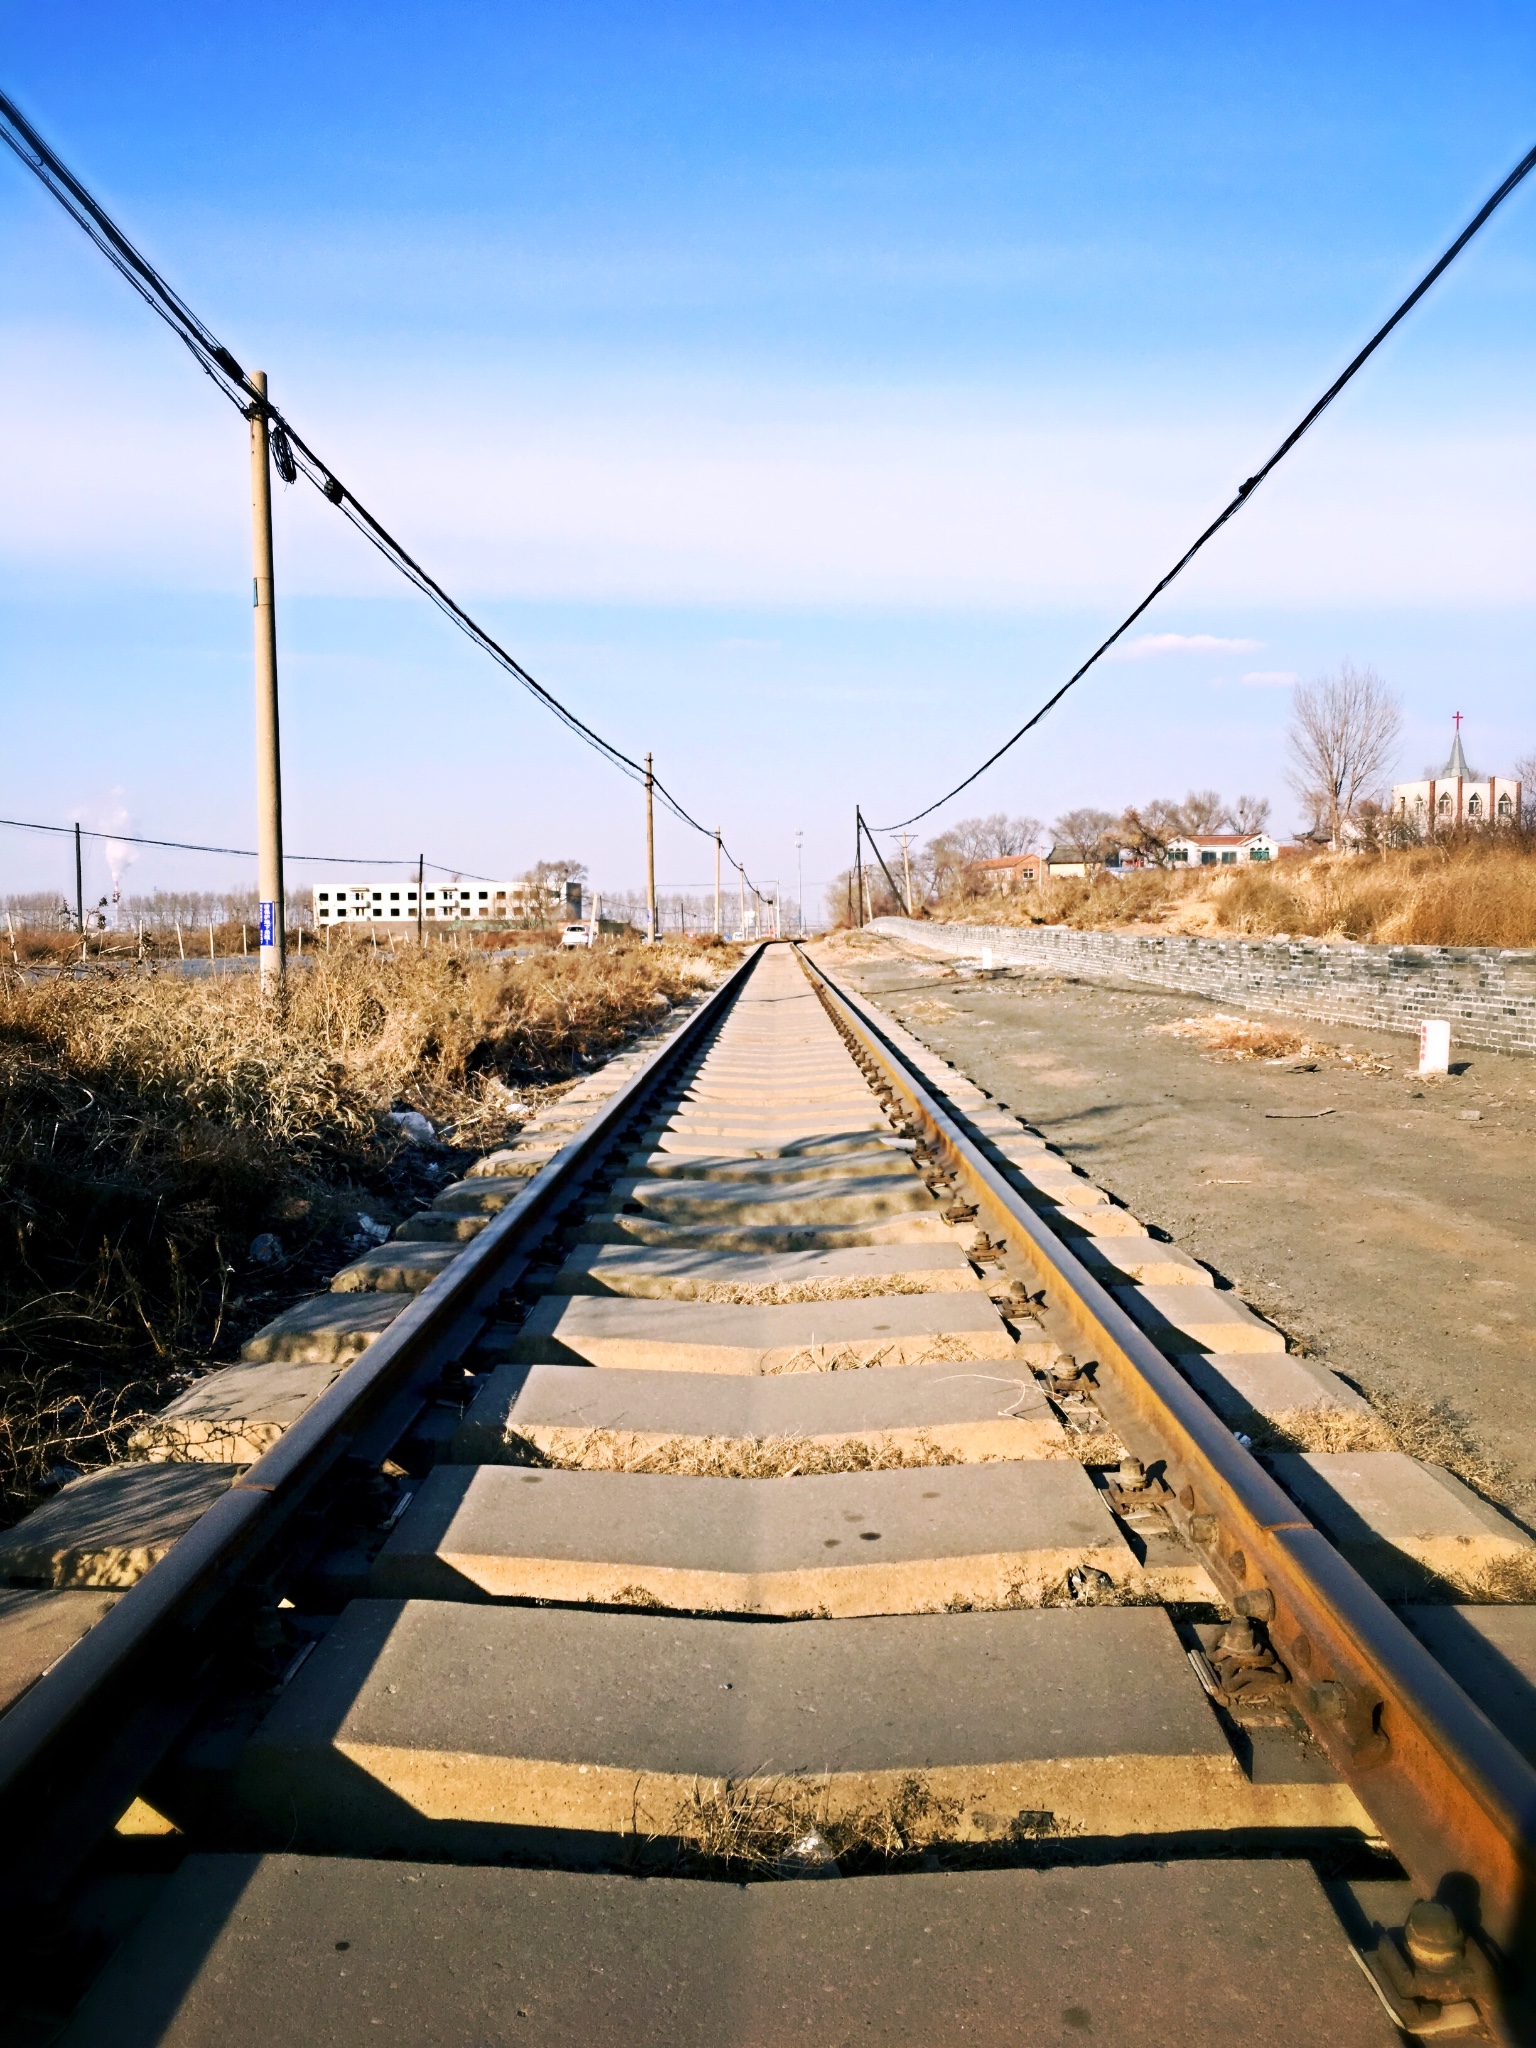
point(1488, 995)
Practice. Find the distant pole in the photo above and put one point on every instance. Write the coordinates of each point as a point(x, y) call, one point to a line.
point(858, 859)
point(741, 880)
point(717, 881)
point(421, 898)
point(79, 886)
point(650, 853)
point(800, 882)
point(906, 869)
point(269, 781)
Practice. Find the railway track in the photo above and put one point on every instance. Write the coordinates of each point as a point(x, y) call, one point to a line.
point(771, 1468)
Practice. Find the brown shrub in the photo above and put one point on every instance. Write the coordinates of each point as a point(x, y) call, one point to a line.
point(151, 1126)
point(1465, 889)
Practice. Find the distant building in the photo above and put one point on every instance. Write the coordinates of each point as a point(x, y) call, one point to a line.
point(506, 903)
point(1062, 864)
point(1456, 796)
point(1008, 872)
point(1221, 849)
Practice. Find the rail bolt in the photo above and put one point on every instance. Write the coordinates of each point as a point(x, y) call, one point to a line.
point(1432, 1937)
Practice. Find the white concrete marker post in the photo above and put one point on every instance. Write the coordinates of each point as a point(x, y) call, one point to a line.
point(1434, 1045)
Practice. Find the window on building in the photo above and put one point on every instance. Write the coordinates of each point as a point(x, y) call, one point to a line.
point(341, 910)
point(1506, 806)
point(1228, 856)
point(324, 898)
point(1207, 858)
point(1258, 853)
point(394, 895)
point(394, 910)
point(1444, 805)
point(1474, 807)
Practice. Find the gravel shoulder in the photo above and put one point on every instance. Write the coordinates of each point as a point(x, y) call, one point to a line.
point(1391, 1237)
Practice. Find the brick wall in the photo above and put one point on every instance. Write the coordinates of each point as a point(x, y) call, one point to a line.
point(1488, 995)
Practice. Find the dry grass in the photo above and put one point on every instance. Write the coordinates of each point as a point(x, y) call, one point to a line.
point(745, 1825)
point(1466, 889)
point(151, 1126)
point(1243, 1038)
point(739, 1294)
point(730, 1457)
point(942, 1350)
point(1319, 1428)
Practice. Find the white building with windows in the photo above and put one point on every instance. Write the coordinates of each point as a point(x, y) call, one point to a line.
point(457, 902)
point(1221, 849)
point(1457, 797)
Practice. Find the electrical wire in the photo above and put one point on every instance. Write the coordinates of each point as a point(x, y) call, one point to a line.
point(1245, 489)
point(328, 860)
point(291, 452)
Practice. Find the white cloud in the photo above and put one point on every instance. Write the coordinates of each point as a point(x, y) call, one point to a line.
point(1270, 678)
point(1147, 645)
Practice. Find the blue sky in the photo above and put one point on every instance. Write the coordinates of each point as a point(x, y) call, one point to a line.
point(801, 392)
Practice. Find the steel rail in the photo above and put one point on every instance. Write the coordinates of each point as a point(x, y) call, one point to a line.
point(75, 1748)
point(1451, 1795)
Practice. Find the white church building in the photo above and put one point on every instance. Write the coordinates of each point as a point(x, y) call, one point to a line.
point(1456, 796)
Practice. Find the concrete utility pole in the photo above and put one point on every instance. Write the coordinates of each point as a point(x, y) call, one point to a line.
point(650, 853)
point(269, 779)
point(79, 886)
point(717, 881)
point(741, 879)
point(906, 869)
point(800, 882)
point(421, 899)
point(858, 858)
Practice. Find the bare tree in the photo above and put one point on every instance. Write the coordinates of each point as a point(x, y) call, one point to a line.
point(1203, 811)
point(1525, 775)
point(1149, 829)
point(1344, 733)
point(1250, 814)
point(1084, 834)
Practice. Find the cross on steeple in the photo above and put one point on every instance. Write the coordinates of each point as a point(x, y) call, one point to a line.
point(1457, 716)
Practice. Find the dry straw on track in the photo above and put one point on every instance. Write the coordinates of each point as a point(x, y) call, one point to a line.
point(728, 1457)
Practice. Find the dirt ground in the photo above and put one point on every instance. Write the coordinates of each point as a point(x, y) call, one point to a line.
point(1392, 1238)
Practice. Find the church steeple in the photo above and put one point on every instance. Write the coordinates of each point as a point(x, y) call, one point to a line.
point(1457, 764)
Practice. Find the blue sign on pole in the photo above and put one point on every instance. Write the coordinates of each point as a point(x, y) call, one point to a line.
point(269, 924)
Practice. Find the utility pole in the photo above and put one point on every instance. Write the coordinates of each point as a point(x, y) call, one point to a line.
point(717, 881)
point(269, 781)
point(79, 886)
point(741, 879)
point(906, 869)
point(650, 853)
point(421, 899)
point(800, 882)
point(858, 858)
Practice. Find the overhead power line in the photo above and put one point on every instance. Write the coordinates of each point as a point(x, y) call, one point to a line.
point(1245, 489)
point(290, 451)
point(325, 860)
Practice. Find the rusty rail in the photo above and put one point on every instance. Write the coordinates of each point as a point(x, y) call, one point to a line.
point(1451, 1795)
